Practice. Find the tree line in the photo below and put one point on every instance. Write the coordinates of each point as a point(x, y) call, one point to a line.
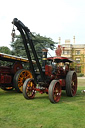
point(40, 42)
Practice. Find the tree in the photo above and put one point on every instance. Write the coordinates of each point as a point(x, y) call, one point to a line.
point(6, 50)
point(39, 42)
point(18, 47)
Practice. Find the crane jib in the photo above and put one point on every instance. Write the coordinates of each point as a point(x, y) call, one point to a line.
point(25, 33)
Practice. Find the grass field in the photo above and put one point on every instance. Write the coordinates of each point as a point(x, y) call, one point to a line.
point(17, 112)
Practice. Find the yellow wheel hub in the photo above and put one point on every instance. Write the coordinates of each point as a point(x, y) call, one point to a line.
point(22, 77)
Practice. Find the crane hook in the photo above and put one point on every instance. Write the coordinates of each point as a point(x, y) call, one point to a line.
point(13, 33)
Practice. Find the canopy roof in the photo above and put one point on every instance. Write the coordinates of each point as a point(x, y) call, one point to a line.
point(11, 58)
point(59, 59)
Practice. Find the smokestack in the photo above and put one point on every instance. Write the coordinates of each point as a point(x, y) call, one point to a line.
point(74, 39)
point(44, 58)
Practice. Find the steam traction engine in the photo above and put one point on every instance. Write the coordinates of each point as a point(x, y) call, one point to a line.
point(54, 74)
point(13, 76)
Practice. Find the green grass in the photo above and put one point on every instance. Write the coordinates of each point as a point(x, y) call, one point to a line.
point(17, 112)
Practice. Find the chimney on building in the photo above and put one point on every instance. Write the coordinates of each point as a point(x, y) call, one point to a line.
point(74, 39)
point(59, 40)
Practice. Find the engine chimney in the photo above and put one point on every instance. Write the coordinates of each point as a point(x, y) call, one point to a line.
point(44, 58)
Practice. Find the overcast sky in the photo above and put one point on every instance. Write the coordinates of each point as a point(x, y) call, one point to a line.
point(50, 18)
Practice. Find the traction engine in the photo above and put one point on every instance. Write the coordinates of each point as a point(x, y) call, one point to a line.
point(13, 75)
point(52, 76)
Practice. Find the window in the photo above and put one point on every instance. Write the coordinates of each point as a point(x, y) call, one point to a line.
point(66, 52)
point(78, 60)
point(78, 69)
point(78, 52)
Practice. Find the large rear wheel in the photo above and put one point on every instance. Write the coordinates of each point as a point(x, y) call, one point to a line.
point(29, 88)
point(54, 91)
point(19, 78)
point(71, 83)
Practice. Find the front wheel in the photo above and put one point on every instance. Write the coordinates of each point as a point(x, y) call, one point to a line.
point(29, 88)
point(54, 91)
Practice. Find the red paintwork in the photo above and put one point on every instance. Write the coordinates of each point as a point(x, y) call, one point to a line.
point(5, 70)
point(7, 74)
point(5, 79)
point(41, 90)
point(59, 58)
point(62, 82)
point(48, 70)
point(16, 67)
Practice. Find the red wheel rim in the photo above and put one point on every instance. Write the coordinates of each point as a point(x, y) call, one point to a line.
point(30, 89)
point(74, 84)
point(57, 92)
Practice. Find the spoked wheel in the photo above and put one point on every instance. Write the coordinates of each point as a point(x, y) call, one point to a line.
point(54, 91)
point(19, 78)
point(29, 88)
point(71, 83)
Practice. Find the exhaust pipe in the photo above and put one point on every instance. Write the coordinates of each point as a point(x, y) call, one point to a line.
point(44, 58)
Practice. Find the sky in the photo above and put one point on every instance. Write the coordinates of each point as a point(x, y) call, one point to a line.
point(50, 18)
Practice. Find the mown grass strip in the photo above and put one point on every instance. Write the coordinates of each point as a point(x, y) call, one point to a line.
point(17, 112)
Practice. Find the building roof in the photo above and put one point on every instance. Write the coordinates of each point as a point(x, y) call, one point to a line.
point(73, 45)
point(78, 45)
